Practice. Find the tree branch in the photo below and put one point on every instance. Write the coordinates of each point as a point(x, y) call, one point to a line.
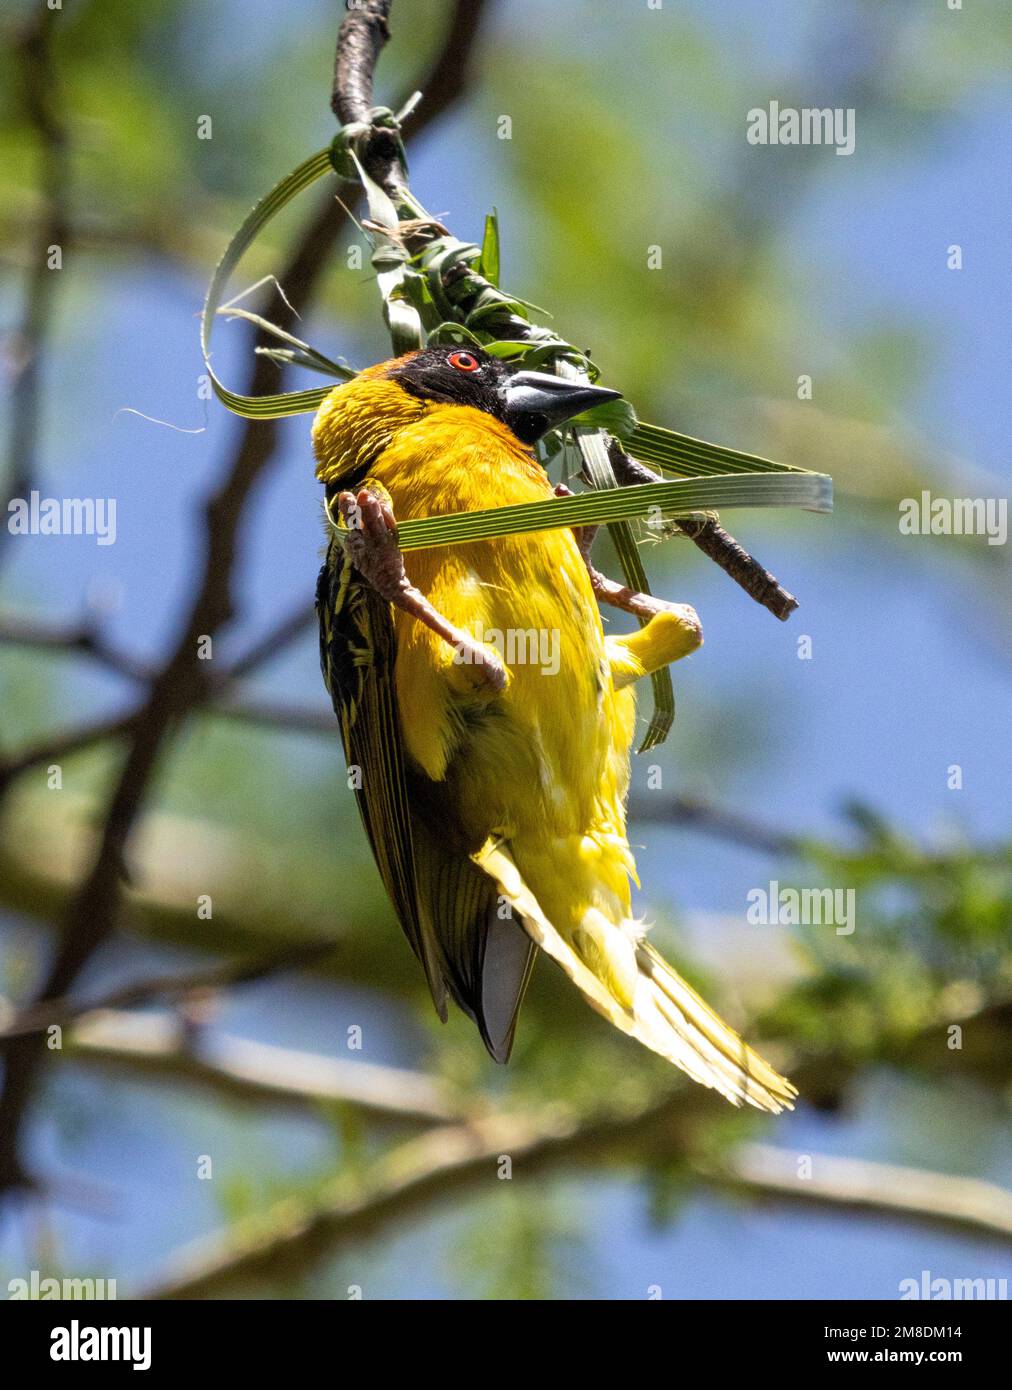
point(274, 715)
point(961, 1204)
point(277, 638)
point(84, 638)
point(162, 1047)
point(42, 104)
point(708, 819)
point(714, 541)
point(363, 32)
point(88, 640)
point(457, 1159)
point(40, 1016)
point(54, 747)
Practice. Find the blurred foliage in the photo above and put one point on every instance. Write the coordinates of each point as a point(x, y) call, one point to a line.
point(931, 944)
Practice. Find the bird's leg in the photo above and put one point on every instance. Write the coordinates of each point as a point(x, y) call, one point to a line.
point(372, 546)
point(670, 631)
point(616, 595)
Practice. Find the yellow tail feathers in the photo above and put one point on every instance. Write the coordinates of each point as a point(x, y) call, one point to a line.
point(661, 1010)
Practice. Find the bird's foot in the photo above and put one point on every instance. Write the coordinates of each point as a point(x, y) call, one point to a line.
point(372, 545)
point(645, 606)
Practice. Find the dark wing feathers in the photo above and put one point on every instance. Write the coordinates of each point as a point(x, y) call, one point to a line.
point(448, 908)
point(357, 659)
point(486, 959)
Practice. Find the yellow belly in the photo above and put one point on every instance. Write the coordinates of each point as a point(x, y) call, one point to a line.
point(546, 762)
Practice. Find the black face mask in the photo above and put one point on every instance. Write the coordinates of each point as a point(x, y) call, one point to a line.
point(529, 403)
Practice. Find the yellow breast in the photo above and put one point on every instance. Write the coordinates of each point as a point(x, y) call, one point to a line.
point(538, 757)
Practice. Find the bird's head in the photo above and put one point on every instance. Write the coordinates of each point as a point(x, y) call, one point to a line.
point(359, 419)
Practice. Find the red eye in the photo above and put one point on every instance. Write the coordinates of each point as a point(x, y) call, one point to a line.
point(463, 361)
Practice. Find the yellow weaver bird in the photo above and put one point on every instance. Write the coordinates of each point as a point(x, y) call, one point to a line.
point(494, 794)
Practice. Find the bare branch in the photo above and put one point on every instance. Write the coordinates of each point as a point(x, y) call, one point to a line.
point(87, 639)
point(54, 747)
point(277, 716)
point(885, 1189)
point(456, 1159)
point(38, 1017)
point(714, 541)
point(361, 36)
point(84, 638)
point(164, 1047)
point(301, 619)
point(713, 820)
point(42, 104)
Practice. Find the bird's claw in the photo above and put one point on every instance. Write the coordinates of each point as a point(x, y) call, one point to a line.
point(372, 546)
point(372, 542)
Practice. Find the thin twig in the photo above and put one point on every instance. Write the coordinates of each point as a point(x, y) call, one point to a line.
point(55, 747)
point(84, 638)
point(43, 106)
point(270, 715)
point(714, 820)
point(162, 1046)
point(714, 541)
point(40, 1016)
point(277, 638)
point(87, 640)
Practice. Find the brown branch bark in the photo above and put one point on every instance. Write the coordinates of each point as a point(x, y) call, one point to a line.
point(89, 642)
point(83, 639)
point(714, 820)
point(714, 541)
point(55, 747)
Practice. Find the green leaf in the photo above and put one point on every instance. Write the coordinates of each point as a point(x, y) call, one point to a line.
point(449, 332)
point(653, 500)
point(288, 402)
point(489, 262)
point(295, 357)
point(592, 445)
point(689, 457)
point(390, 260)
point(300, 354)
point(617, 417)
point(506, 347)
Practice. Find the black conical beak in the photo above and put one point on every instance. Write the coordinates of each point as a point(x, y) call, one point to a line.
point(535, 402)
